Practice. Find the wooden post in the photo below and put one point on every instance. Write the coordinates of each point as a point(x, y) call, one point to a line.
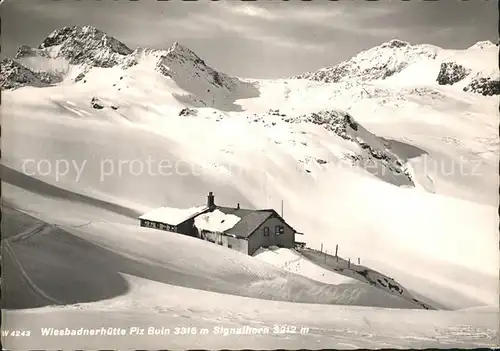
point(336, 250)
point(321, 250)
point(281, 208)
point(349, 263)
point(359, 261)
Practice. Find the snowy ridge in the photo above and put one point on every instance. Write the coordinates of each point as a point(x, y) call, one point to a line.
point(205, 85)
point(377, 63)
point(400, 60)
point(72, 53)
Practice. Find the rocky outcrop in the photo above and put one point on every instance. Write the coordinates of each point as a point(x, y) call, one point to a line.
point(81, 45)
point(14, 75)
point(79, 77)
point(483, 86)
point(187, 112)
point(96, 103)
point(451, 73)
point(332, 120)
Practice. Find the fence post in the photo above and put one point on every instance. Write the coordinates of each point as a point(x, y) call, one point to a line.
point(321, 250)
point(349, 263)
point(359, 261)
point(336, 250)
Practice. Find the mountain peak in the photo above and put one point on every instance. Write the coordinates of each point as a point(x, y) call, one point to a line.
point(483, 45)
point(178, 49)
point(379, 62)
point(86, 35)
point(79, 45)
point(395, 43)
point(176, 46)
point(178, 52)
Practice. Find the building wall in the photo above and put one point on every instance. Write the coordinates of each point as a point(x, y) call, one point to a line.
point(236, 244)
point(188, 228)
point(158, 225)
point(258, 239)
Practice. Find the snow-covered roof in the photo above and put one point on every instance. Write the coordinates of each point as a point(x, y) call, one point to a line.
point(216, 221)
point(172, 215)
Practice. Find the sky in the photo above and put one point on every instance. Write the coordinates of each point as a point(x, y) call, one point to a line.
point(258, 39)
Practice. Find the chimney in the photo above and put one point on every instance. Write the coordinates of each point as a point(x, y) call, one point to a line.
point(238, 205)
point(210, 200)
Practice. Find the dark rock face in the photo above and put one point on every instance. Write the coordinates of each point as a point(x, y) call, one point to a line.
point(187, 112)
point(276, 113)
point(79, 77)
point(348, 119)
point(85, 45)
point(14, 75)
point(484, 86)
point(395, 43)
point(451, 73)
point(164, 70)
point(96, 103)
point(217, 79)
point(333, 121)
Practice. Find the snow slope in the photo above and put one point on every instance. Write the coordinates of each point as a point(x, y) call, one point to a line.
point(216, 321)
point(70, 252)
point(327, 153)
point(291, 261)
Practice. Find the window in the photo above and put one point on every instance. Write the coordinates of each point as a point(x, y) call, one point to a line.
point(149, 224)
point(266, 231)
point(278, 230)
